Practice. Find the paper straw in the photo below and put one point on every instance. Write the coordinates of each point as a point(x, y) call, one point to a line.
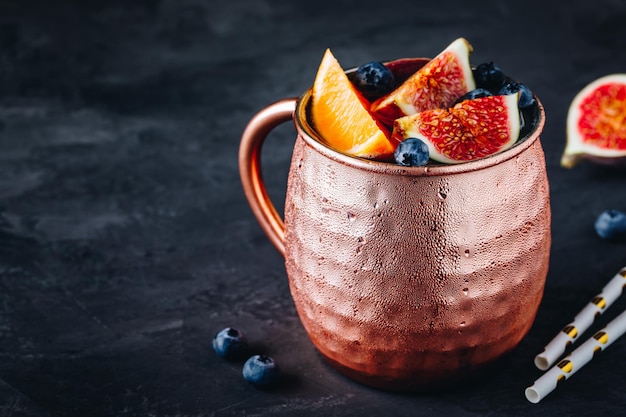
point(577, 359)
point(582, 321)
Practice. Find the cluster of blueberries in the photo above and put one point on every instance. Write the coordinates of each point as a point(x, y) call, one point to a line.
point(258, 370)
point(375, 80)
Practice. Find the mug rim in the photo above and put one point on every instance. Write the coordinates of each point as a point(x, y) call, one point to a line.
point(313, 139)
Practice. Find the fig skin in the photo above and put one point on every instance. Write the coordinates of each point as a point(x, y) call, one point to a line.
point(570, 161)
point(403, 68)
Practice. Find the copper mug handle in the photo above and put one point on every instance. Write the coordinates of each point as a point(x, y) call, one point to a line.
point(250, 172)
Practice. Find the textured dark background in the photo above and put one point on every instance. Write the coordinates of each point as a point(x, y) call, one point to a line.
point(125, 238)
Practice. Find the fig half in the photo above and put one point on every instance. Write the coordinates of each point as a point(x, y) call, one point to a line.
point(470, 130)
point(437, 84)
point(596, 123)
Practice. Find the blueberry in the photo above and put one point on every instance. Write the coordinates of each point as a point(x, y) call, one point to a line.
point(488, 76)
point(261, 370)
point(526, 98)
point(373, 80)
point(611, 224)
point(412, 152)
point(474, 94)
point(230, 343)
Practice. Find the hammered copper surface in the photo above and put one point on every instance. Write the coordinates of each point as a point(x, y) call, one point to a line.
point(406, 277)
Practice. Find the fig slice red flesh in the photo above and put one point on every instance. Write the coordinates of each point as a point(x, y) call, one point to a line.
point(437, 84)
point(468, 131)
point(596, 123)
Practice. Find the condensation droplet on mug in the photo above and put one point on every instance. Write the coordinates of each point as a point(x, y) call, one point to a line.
point(442, 195)
point(324, 200)
point(376, 205)
point(467, 253)
point(526, 227)
point(466, 291)
point(300, 162)
point(351, 216)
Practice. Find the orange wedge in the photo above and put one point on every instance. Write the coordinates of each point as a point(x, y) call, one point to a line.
point(340, 114)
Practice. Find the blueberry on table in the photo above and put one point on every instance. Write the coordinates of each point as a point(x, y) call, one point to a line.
point(611, 224)
point(474, 94)
point(526, 98)
point(230, 343)
point(373, 80)
point(488, 76)
point(261, 370)
point(412, 152)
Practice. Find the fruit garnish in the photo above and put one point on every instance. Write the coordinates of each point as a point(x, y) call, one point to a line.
point(340, 114)
point(488, 76)
point(611, 225)
point(470, 130)
point(526, 98)
point(436, 85)
point(373, 80)
point(596, 123)
point(412, 152)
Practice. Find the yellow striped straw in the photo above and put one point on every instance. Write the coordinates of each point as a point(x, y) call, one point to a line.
point(576, 360)
point(583, 320)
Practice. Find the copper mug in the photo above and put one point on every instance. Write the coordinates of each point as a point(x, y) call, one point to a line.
point(406, 278)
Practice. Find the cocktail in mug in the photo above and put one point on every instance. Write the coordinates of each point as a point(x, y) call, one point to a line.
point(406, 277)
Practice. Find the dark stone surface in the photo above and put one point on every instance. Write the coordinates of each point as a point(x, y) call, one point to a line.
point(125, 238)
